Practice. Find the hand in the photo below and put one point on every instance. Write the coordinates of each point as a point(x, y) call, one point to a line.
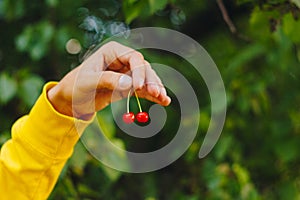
point(113, 68)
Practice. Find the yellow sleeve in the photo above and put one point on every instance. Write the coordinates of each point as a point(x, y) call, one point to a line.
point(41, 143)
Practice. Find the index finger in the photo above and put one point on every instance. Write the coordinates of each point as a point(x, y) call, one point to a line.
point(118, 54)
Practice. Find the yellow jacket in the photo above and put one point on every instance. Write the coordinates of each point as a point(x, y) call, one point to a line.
point(41, 143)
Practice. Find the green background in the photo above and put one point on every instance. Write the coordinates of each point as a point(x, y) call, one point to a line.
point(258, 153)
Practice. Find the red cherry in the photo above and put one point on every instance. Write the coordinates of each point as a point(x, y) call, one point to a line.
point(142, 117)
point(128, 118)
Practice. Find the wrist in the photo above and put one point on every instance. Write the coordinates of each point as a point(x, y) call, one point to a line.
point(58, 101)
point(63, 104)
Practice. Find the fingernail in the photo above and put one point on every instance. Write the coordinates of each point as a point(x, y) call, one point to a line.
point(125, 82)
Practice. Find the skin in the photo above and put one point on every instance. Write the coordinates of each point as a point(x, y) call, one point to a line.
point(104, 77)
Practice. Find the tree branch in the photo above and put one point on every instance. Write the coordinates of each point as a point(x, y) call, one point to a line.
point(229, 22)
point(226, 16)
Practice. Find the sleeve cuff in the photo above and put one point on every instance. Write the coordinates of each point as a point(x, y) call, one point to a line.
point(48, 131)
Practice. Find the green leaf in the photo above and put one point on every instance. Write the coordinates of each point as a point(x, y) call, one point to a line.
point(52, 3)
point(132, 1)
point(241, 173)
point(134, 9)
point(79, 158)
point(291, 27)
point(105, 121)
point(156, 5)
point(46, 29)
point(296, 2)
point(13, 9)
point(112, 174)
point(61, 38)
point(210, 176)
point(35, 39)
point(23, 40)
point(177, 16)
point(30, 89)
point(245, 55)
point(8, 88)
point(222, 148)
point(260, 23)
point(288, 150)
point(19, 8)
point(37, 51)
point(289, 190)
point(140, 8)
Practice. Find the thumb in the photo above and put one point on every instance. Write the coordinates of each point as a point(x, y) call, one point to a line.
point(114, 81)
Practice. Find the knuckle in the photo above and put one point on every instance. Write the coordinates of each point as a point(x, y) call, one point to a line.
point(113, 43)
point(138, 55)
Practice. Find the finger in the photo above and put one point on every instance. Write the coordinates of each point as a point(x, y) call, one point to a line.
point(117, 56)
point(114, 81)
point(138, 71)
point(152, 81)
point(109, 97)
point(155, 86)
point(163, 100)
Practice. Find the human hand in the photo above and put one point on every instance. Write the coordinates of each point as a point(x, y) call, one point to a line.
point(106, 76)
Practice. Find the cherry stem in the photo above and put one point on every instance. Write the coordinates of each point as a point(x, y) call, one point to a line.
point(138, 101)
point(128, 97)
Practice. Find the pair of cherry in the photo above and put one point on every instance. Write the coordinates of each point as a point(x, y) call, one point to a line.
point(141, 116)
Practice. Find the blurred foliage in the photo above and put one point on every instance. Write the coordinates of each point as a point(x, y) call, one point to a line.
point(257, 155)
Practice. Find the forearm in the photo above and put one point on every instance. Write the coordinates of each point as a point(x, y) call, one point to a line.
point(41, 144)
